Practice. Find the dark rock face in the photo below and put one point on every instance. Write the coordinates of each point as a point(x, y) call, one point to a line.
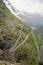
point(40, 63)
point(5, 55)
point(18, 57)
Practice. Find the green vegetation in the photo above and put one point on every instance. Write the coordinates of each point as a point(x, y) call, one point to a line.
point(13, 31)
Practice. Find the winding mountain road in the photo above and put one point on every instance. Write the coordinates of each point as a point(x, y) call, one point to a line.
point(14, 49)
point(38, 51)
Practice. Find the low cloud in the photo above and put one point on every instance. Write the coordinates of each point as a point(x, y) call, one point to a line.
point(41, 1)
point(31, 6)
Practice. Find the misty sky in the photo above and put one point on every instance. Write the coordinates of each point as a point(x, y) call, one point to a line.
point(31, 6)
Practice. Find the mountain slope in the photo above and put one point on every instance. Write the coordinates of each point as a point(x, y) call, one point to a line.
point(17, 41)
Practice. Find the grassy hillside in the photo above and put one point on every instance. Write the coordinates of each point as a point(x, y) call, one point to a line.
point(16, 45)
point(40, 30)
